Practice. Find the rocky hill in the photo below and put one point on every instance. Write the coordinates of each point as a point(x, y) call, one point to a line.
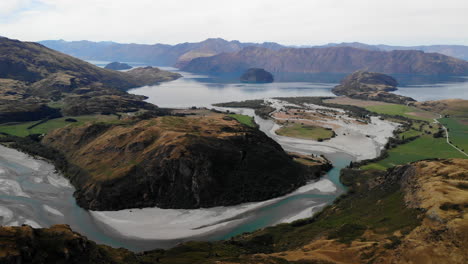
point(176, 162)
point(57, 244)
point(33, 76)
point(370, 86)
point(153, 75)
point(31, 62)
point(329, 60)
point(255, 75)
point(362, 81)
point(409, 214)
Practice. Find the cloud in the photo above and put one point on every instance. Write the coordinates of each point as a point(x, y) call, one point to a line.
point(9, 6)
point(288, 22)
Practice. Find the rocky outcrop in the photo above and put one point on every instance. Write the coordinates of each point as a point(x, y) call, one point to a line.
point(370, 86)
point(255, 75)
point(57, 244)
point(117, 66)
point(177, 162)
point(363, 81)
point(329, 60)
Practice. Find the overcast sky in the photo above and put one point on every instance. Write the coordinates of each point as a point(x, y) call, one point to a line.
point(295, 22)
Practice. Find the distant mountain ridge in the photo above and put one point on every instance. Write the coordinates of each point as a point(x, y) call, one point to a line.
point(457, 51)
point(330, 60)
point(156, 54)
point(180, 54)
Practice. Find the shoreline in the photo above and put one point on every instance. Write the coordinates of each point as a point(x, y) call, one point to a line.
point(149, 228)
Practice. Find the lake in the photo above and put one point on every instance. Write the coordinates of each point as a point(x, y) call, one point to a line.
point(34, 194)
point(202, 90)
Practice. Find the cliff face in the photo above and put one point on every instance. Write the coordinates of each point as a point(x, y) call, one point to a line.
point(329, 60)
point(176, 162)
point(370, 86)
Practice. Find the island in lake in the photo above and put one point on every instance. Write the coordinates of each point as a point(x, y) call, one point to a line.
point(117, 66)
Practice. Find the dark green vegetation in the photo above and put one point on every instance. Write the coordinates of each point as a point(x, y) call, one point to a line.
point(305, 132)
point(424, 147)
point(415, 140)
point(47, 125)
point(117, 66)
point(458, 131)
point(255, 75)
point(261, 108)
point(244, 119)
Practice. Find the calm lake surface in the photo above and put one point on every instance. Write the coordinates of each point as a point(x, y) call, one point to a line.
point(203, 90)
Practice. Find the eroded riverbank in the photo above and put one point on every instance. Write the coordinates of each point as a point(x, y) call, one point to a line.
point(149, 228)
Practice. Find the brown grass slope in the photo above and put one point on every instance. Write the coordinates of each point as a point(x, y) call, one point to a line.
point(176, 162)
point(31, 62)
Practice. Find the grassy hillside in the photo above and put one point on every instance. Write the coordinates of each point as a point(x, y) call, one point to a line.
point(458, 131)
point(425, 147)
point(305, 132)
point(41, 127)
point(402, 110)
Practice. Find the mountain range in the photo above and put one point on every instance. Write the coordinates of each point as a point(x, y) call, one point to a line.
point(217, 55)
point(169, 55)
point(156, 54)
point(330, 60)
point(457, 51)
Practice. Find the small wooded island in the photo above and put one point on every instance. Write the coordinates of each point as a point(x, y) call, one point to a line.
point(256, 75)
point(117, 66)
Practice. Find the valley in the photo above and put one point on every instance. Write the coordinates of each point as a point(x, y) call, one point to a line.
point(251, 181)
